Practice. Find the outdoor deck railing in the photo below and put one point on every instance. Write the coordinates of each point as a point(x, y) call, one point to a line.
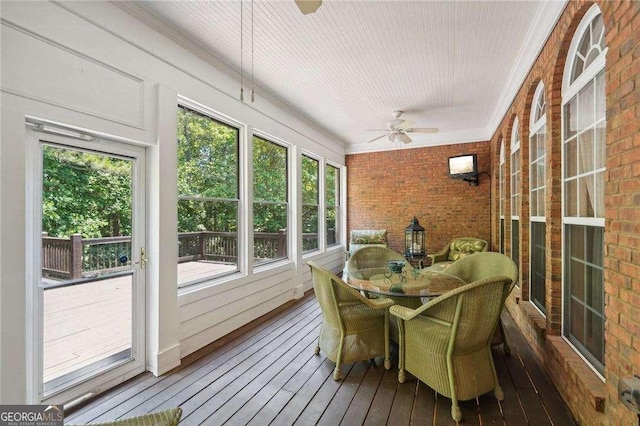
point(75, 257)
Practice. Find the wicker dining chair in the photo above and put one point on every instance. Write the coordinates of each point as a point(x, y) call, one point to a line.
point(372, 259)
point(446, 343)
point(354, 328)
point(455, 250)
point(484, 265)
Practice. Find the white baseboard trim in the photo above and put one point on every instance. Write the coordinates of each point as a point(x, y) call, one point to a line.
point(298, 292)
point(165, 360)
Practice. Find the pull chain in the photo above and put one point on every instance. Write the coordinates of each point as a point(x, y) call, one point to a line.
point(241, 57)
point(253, 96)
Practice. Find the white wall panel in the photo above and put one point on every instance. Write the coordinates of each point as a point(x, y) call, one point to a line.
point(53, 74)
point(13, 245)
point(189, 311)
point(220, 312)
point(196, 341)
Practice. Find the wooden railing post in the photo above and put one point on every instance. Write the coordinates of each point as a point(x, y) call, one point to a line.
point(202, 238)
point(75, 262)
point(282, 243)
point(43, 251)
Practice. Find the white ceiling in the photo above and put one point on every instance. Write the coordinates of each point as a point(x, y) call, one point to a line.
point(454, 65)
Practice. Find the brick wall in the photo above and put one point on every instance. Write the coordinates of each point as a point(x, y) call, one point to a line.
point(386, 189)
point(382, 193)
point(591, 400)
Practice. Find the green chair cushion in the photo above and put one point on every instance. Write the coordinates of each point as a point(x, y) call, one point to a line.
point(369, 236)
point(463, 247)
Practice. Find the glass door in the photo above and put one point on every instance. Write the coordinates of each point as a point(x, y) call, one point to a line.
point(90, 290)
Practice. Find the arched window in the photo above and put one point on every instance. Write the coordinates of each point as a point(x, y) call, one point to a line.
point(516, 180)
point(501, 177)
point(583, 165)
point(537, 176)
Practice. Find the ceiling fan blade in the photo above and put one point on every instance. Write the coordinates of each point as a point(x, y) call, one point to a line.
point(375, 139)
point(404, 137)
point(308, 6)
point(377, 130)
point(422, 130)
point(406, 124)
point(392, 137)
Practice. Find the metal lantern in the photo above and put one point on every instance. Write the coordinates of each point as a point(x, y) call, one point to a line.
point(414, 239)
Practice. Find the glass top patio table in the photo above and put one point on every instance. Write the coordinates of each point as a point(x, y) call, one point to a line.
point(409, 283)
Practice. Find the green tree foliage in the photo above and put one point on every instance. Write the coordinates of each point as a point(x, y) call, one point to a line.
point(85, 193)
point(207, 174)
point(269, 186)
point(332, 184)
point(310, 171)
point(310, 188)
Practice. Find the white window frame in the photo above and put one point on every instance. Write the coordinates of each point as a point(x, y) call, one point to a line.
point(245, 208)
point(502, 193)
point(515, 206)
point(321, 207)
point(569, 90)
point(515, 148)
point(290, 167)
point(339, 206)
point(534, 127)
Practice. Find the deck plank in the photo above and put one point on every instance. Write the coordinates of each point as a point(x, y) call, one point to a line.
point(269, 391)
point(442, 411)
point(361, 402)
point(470, 412)
point(320, 401)
point(270, 375)
point(490, 413)
point(340, 403)
point(423, 405)
point(301, 399)
point(403, 403)
point(383, 400)
point(273, 407)
point(240, 391)
point(511, 406)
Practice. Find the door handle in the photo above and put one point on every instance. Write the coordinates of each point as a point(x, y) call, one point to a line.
point(143, 259)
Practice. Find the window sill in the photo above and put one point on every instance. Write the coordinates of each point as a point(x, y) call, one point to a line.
point(569, 372)
point(271, 265)
point(310, 253)
point(536, 320)
point(581, 375)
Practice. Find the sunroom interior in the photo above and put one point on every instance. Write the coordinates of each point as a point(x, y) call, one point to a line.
point(169, 168)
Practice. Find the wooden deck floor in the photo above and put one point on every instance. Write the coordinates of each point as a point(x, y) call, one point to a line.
point(270, 375)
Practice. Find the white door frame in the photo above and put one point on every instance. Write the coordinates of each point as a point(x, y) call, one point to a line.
point(112, 375)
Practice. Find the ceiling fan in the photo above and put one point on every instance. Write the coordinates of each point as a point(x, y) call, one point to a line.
point(398, 129)
point(308, 6)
